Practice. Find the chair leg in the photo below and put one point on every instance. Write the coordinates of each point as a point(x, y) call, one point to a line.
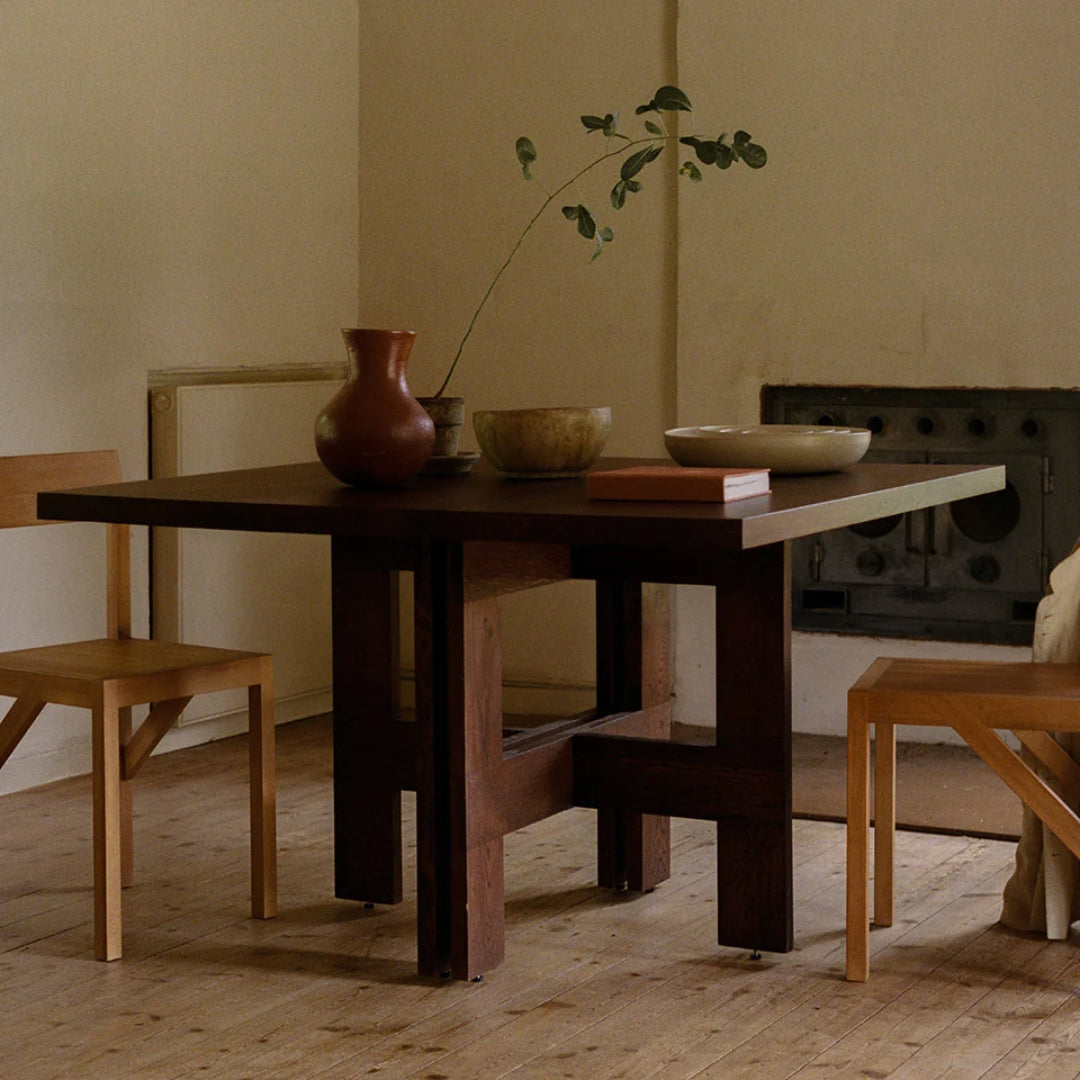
point(107, 845)
point(263, 797)
point(858, 840)
point(127, 838)
point(884, 821)
point(16, 723)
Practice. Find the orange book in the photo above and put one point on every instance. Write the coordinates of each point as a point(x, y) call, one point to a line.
point(677, 483)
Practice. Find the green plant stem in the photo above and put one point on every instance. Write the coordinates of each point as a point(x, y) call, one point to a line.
point(630, 144)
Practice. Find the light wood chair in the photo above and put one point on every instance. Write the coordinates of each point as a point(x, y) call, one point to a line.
point(976, 699)
point(110, 675)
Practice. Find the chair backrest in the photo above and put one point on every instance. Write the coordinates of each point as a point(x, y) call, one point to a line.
point(23, 476)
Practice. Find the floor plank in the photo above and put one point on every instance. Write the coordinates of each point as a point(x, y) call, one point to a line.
point(595, 985)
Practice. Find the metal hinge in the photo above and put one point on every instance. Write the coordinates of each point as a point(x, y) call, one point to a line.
point(817, 557)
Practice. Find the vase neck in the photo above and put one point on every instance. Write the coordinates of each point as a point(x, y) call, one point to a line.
point(378, 354)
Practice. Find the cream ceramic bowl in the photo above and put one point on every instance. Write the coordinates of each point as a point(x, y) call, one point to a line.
point(537, 444)
point(784, 448)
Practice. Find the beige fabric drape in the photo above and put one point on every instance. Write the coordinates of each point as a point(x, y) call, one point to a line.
point(1042, 894)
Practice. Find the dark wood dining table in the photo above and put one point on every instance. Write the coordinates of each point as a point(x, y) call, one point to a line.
point(467, 540)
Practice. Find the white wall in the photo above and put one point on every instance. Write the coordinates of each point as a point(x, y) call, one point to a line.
point(177, 189)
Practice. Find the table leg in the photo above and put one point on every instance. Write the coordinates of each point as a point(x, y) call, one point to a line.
point(432, 829)
point(753, 680)
point(367, 786)
point(633, 671)
point(459, 660)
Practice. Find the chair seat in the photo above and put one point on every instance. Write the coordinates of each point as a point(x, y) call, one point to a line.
point(1034, 697)
point(76, 668)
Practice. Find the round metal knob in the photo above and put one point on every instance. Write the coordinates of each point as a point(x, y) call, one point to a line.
point(870, 563)
point(984, 568)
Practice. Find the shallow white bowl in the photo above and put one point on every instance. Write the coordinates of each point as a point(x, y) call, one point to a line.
point(784, 448)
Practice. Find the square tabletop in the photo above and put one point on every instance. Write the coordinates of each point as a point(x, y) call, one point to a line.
point(484, 505)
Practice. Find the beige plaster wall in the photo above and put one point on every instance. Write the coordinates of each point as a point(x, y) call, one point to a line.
point(185, 183)
point(917, 224)
point(446, 89)
point(177, 189)
point(917, 220)
point(914, 225)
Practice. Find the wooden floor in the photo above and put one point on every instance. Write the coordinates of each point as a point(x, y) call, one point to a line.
point(939, 787)
point(594, 986)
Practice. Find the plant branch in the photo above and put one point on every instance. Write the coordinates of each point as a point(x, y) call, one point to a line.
point(667, 99)
point(528, 228)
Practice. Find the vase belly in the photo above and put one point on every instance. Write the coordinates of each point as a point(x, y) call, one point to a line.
point(373, 432)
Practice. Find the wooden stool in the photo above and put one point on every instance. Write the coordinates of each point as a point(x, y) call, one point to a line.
point(973, 698)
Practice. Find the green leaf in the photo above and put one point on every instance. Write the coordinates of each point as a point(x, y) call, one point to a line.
point(621, 189)
point(586, 223)
point(707, 152)
point(653, 129)
point(525, 150)
point(634, 164)
point(571, 212)
point(608, 124)
point(671, 98)
point(691, 170)
point(604, 236)
point(526, 155)
point(752, 155)
point(725, 153)
point(638, 160)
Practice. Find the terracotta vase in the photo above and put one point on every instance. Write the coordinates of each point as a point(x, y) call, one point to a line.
point(373, 432)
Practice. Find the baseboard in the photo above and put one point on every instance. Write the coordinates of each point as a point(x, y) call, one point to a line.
point(235, 722)
point(520, 697)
